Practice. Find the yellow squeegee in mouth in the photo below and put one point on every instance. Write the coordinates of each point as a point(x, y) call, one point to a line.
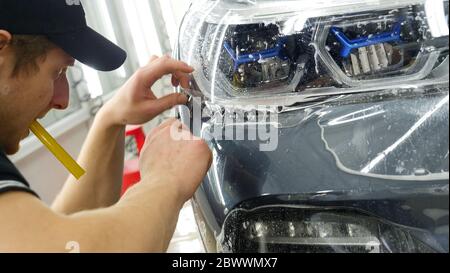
point(53, 146)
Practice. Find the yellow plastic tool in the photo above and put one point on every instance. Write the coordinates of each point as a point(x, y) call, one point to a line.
point(56, 149)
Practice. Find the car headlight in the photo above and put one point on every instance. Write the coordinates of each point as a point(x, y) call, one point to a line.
point(281, 229)
point(291, 51)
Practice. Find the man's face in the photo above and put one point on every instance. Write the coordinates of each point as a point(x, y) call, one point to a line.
point(24, 99)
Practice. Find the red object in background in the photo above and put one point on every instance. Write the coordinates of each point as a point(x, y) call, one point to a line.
point(131, 173)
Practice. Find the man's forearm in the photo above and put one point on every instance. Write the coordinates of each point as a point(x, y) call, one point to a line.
point(143, 221)
point(102, 157)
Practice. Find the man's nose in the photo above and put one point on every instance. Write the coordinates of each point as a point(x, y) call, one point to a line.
point(60, 99)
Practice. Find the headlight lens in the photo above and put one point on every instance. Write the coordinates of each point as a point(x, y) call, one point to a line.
point(266, 49)
point(289, 229)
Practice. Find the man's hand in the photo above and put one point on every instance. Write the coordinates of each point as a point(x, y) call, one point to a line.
point(103, 151)
point(180, 165)
point(135, 103)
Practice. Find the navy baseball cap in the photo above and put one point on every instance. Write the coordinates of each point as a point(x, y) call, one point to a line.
point(63, 22)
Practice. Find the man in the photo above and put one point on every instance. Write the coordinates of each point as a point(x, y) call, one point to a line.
point(39, 40)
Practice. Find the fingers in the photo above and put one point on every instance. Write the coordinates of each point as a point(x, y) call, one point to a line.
point(163, 125)
point(181, 78)
point(168, 123)
point(165, 103)
point(163, 66)
point(175, 81)
point(150, 95)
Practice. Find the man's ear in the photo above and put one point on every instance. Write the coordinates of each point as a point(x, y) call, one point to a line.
point(5, 38)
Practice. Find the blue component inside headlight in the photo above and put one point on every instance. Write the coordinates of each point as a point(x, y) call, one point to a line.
point(348, 45)
point(257, 55)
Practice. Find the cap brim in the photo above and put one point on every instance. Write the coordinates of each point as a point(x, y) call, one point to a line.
point(90, 48)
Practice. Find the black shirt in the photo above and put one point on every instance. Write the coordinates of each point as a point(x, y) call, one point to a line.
point(10, 177)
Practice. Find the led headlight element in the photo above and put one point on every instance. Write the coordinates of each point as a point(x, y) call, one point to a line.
point(385, 45)
point(258, 55)
point(285, 53)
point(369, 41)
point(278, 229)
point(374, 53)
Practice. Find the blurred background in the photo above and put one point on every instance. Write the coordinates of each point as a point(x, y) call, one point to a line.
point(143, 28)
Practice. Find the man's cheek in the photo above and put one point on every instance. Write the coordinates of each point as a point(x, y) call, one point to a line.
point(45, 96)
